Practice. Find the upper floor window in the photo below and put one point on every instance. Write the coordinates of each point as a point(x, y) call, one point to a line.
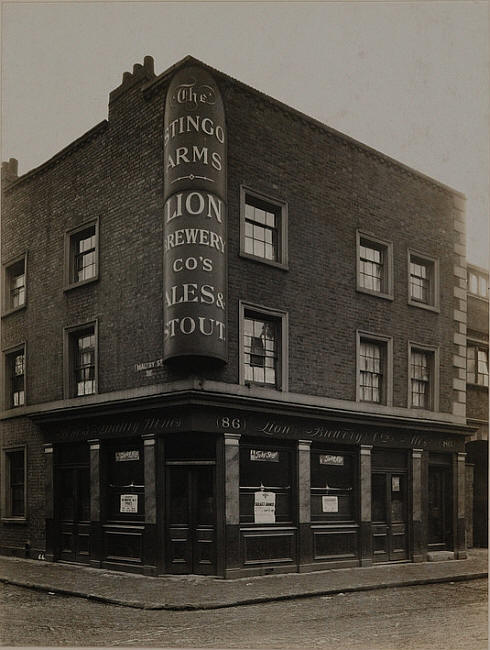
point(263, 228)
point(81, 360)
point(263, 347)
point(81, 255)
point(478, 283)
point(14, 286)
point(424, 377)
point(374, 382)
point(15, 377)
point(423, 273)
point(477, 364)
point(14, 477)
point(374, 266)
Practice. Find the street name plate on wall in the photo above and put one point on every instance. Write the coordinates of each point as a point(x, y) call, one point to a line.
point(330, 504)
point(128, 503)
point(265, 507)
point(328, 459)
point(261, 455)
point(195, 246)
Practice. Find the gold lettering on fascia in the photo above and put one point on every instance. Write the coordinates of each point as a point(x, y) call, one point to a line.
point(272, 428)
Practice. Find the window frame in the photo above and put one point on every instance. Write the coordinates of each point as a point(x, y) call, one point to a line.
point(387, 341)
point(281, 317)
point(280, 206)
point(378, 244)
point(434, 386)
point(6, 376)
point(70, 235)
point(69, 335)
point(335, 518)
point(434, 286)
point(6, 505)
point(7, 309)
point(288, 490)
point(479, 274)
point(478, 346)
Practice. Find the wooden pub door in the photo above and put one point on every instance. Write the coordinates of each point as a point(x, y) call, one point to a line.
point(191, 519)
point(440, 520)
point(73, 509)
point(389, 516)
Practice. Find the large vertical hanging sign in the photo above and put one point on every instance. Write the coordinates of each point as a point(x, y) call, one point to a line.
point(195, 246)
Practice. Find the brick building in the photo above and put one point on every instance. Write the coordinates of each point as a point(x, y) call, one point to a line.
point(234, 342)
point(477, 401)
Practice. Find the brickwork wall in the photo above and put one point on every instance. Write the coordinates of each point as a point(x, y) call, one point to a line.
point(333, 187)
point(15, 536)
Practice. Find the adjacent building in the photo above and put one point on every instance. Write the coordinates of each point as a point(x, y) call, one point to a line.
point(233, 342)
point(477, 400)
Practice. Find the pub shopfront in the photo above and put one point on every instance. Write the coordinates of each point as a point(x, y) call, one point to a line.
point(203, 490)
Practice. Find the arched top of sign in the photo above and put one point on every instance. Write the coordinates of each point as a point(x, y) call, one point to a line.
point(195, 134)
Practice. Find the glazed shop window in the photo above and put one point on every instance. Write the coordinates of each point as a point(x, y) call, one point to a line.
point(265, 485)
point(423, 281)
point(126, 481)
point(14, 287)
point(374, 266)
point(332, 486)
point(263, 227)
point(14, 478)
point(477, 365)
point(81, 252)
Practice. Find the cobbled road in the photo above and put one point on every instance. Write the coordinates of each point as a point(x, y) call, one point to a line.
point(450, 616)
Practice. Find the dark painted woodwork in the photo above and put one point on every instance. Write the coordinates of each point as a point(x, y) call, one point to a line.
point(440, 508)
point(220, 492)
point(389, 516)
point(191, 519)
point(268, 545)
point(150, 549)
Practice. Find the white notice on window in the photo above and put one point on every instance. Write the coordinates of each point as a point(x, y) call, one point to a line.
point(129, 503)
point(265, 508)
point(330, 504)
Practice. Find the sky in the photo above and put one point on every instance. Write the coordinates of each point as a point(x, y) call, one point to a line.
point(410, 79)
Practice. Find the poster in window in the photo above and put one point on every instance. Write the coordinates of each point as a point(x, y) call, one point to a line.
point(330, 504)
point(330, 459)
point(395, 483)
point(265, 507)
point(263, 455)
point(128, 503)
point(122, 456)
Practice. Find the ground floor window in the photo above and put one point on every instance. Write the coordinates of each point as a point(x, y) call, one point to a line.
point(125, 489)
point(265, 484)
point(332, 486)
point(14, 503)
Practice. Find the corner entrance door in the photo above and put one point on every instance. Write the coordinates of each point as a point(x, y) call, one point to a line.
point(191, 519)
point(439, 508)
point(74, 513)
point(389, 516)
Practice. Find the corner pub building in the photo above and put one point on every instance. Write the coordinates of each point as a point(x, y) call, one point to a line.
point(233, 342)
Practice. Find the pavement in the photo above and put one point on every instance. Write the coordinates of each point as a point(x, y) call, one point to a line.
point(191, 592)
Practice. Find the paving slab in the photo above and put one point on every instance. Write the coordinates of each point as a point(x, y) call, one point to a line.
point(201, 592)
